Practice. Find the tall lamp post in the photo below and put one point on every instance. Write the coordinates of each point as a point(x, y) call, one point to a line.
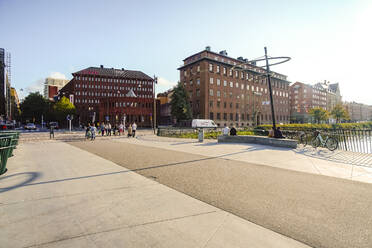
point(153, 90)
point(266, 58)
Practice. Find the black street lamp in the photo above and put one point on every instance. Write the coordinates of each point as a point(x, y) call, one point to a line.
point(266, 58)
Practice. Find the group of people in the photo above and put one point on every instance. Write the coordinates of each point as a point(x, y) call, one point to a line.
point(108, 129)
point(273, 133)
point(226, 131)
point(276, 133)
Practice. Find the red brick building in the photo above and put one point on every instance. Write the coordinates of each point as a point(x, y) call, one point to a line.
point(304, 97)
point(229, 94)
point(52, 91)
point(107, 94)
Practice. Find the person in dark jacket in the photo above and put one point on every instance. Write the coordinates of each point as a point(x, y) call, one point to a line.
point(278, 134)
point(233, 131)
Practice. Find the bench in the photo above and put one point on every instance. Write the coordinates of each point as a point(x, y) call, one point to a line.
point(262, 140)
point(6, 149)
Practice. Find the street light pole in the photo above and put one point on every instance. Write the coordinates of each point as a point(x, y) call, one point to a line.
point(154, 115)
point(270, 90)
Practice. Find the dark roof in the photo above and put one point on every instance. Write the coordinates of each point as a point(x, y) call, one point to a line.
point(111, 72)
point(333, 87)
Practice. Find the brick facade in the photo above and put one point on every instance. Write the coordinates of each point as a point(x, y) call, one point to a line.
point(237, 97)
point(110, 94)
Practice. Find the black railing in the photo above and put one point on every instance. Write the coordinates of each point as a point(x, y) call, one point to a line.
point(355, 140)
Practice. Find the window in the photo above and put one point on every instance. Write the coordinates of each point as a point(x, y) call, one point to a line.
point(231, 84)
point(210, 67)
point(225, 116)
point(224, 105)
point(237, 105)
point(224, 94)
point(197, 92)
point(218, 116)
point(224, 70)
point(198, 68)
point(218, 104)
point(218, 82)
point(211, 92)
point(211, 80)
point(242, 87)
point(231, 116)
point(211, 115)
point(236, 74)
point(218, 69)
point(211, 104)
point(230, 93)
point(224, 83)
point(242, 75)
point(230, 72)
point(237, 117)
point(218, 93)
point(231, 104)
point(237, 85)
point(190, 94)
point(198, 81)
point(190, 82)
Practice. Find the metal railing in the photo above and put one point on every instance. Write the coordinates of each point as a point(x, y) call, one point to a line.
point(355, 140)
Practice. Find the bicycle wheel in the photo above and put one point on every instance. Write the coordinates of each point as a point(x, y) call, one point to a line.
point(332, 144)
point(303, 139)
point(315, 142)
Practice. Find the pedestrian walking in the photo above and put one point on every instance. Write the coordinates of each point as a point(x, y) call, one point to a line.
point(102, 129)
point(109, 129)
point(51, 132)
point(87, 131)
point(134, 128)
point(130, 130)
point(121, 129)
point(93, 130)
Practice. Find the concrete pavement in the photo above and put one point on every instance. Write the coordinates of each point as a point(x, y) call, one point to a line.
point(57, 195)
point(319, 210)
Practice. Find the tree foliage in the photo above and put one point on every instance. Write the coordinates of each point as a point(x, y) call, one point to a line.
point(340, 113)
point(180, 106)
point(319, 114)
point(62, 108)
point(33, 107)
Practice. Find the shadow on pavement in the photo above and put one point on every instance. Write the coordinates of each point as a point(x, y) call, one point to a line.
point(28, 182)
point(351, 158)
point(31, 176)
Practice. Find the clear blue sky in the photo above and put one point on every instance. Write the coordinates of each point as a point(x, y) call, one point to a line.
point(327, 40)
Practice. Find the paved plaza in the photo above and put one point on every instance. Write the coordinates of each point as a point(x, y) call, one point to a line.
point(164, 192)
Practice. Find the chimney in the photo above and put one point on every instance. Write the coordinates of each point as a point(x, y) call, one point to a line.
point(122, 69)
point(208, 48)
point(223, 52)
point(101, 66)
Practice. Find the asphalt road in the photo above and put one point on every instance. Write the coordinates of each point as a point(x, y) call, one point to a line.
point(317, 210)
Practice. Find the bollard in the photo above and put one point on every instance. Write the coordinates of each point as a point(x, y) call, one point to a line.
point(201, 135)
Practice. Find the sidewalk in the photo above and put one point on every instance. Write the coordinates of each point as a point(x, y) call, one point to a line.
point(340, 164)
point(56, 195)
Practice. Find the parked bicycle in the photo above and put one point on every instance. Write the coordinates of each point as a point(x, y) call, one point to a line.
point(302, 138)
point(329, 142)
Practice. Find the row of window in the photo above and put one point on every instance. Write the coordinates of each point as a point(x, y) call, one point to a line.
point(110, 87)
point(243, 117)
point(108, 94)
point(275, 93)
point(113, 80)
point(116, 104)
point(242, 75)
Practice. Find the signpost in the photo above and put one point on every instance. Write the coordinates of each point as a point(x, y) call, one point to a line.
point(69, 119)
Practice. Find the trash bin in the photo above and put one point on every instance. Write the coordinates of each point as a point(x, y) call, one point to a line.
point(201, 135)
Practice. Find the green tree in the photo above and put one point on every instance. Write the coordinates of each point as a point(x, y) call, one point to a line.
point(340, 113)
point(319, 114)
point(33, 107)
point(62, 108)
point(180, 106)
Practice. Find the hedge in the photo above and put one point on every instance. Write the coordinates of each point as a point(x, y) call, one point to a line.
point(363, 125)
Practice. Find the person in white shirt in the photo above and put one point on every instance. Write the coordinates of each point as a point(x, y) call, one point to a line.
point(134, 128)
point(226, 130)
